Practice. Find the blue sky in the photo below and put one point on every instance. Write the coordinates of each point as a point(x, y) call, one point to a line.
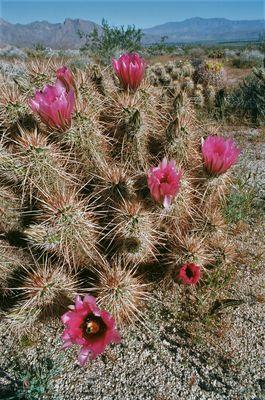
point(141, 13)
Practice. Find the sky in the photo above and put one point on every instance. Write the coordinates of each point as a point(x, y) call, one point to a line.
point(143, 14)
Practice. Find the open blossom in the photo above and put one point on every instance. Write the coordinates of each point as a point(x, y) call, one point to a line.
point(189, 273)
point(64, 75)
point(219, 154)
point(164, 182)
point(130, 69)
point(54, 105)
point(88, 327)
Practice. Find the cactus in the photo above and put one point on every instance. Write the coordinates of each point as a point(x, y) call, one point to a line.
point(10, 211)
point(134, 233)
point(13, 108)
point(85, 185)
point(37, 163)
point(12, 260)
point(152, 77)
point(158, 69)
point(188, 84)
point(182, 140)
point(165, 79)
point(169, 67)
point(39, 73)
point(44, 290)
point(187, 69)
point(210, 93)
point(66, 227)
point(191, 248)
point(113, 184)
point(176, 73)
point(46, 287)
point(209, 73)
point(122, 291)
point(198, 98)
point(200, 84)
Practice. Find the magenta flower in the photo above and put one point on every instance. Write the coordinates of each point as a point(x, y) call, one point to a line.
point(219, 154)
point(65, 76)
point(130, 69)
point(189, 274)
point(88, 327)
point(54, 105)
point(164, 182)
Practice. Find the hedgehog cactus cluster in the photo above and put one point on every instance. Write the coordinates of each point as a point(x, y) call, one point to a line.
point(109, 186)
point(201, 83)
point(159, 74)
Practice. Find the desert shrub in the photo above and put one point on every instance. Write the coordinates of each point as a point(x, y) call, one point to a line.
point(215, 53)
point(247, 100)
point(197, 52)
point(248, 59)
point(12, 52)
point(103, 44)
point(229, 53)
point(12, 69)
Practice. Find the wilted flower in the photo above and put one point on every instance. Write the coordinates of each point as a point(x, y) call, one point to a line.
point(65, 76)
point(219, 154)
point(164, 182)
point(130, 69)
point(54, 105)
point(89, 327)
point(189, 273)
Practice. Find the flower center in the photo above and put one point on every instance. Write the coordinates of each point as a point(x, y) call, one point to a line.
point(189, 273)
point(164, 179)
point(92, 327)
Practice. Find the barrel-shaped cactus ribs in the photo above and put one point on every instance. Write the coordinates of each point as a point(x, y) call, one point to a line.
point(108, 186)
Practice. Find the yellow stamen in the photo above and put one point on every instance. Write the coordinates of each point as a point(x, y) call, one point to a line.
point(92, 327)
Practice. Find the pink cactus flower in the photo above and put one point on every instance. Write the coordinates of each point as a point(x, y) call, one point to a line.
point(130, 69)
point(54, 105)
point(88, 327)
point(164, 182)
point(189, 274)
point(219, 154)
point(65, 76)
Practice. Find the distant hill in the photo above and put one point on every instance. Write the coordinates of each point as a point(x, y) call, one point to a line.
point(65, 35)
point(57, 36)
point(206, 30)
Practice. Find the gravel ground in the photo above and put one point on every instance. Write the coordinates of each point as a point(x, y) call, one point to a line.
point(162, 361)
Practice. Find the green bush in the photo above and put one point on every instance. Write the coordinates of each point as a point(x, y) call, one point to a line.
point(215, 53)
point(248, 99)
point(104, 43)
point(239, 62)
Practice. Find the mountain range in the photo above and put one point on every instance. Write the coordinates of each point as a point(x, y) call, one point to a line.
point(65, 35)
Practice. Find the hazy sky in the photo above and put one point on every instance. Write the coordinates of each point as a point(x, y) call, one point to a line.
point(141, 13)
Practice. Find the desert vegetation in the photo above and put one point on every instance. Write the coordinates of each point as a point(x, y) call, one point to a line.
point(118, 188)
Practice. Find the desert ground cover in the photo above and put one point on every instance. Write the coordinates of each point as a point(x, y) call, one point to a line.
point(202, 341)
